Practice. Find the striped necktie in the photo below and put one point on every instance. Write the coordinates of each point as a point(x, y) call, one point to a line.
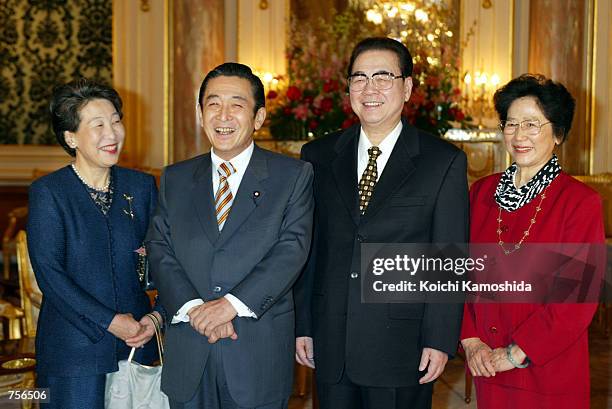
point(368, 179)
point(224, 197)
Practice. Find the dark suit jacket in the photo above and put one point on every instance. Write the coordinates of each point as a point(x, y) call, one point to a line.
point(421, 197)
point(256, 257)
point(85, 265)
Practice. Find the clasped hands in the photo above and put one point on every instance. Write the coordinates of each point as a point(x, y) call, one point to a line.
point(134, 333)
point(213, 319)
point(482, 360)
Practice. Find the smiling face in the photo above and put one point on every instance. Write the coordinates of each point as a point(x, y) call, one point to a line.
point(100, 136)
point(227, 115)
point(530, 152)
point(379, 111)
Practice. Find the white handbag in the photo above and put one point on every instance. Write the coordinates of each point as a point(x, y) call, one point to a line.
point(136, 386)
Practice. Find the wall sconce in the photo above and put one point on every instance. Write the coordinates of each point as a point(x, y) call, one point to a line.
point(478, 90)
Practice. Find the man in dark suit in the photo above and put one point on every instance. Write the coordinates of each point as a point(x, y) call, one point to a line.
point(381, 182)
point(230, 235)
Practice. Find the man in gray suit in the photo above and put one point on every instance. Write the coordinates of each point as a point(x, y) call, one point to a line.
point(229, 237)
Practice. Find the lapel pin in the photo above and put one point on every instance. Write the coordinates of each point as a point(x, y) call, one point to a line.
point(129, 199)
point(256, 194)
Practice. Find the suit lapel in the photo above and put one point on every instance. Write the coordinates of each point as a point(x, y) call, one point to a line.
point(244, 200)
point(344, 169)
point(203, 199)
point(398, 169)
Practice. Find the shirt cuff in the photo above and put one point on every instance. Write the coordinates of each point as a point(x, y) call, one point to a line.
point(240, 307)
point(181, 315)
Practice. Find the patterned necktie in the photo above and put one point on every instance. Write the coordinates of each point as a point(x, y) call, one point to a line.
point(368, 179)
point(224, 197)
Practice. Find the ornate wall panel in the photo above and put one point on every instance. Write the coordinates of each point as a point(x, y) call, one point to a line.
point(560, 47)
point(44, 43)
point(198, 39)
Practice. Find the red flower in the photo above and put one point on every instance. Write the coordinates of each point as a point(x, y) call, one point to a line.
point(272, 94)
point(308, 99)
point(433, 81)
point(327, 104)
point(294, 93)
point(457, 114)
point(313, 124)
point(347, 123)
point(331, 85)
point(417, 98)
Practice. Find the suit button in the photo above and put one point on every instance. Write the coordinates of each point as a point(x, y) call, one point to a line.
point(217, 289)
point(354, 274)
point(360, 238)
point(493, 329)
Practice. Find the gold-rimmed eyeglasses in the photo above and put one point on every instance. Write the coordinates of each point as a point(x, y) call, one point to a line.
point(530, 127)
point(381, 80)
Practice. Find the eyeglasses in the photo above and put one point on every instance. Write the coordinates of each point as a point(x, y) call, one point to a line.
point(529, 127)
point(382, 81)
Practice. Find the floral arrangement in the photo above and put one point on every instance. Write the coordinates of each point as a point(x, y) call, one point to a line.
point(313, 100)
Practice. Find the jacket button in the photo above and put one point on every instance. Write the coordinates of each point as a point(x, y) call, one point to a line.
point(493, 329)
point(217, 289)
point(360, 238)
point(354, 274)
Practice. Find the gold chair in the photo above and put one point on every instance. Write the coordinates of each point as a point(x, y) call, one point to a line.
point(31, 296)
point(16, 218)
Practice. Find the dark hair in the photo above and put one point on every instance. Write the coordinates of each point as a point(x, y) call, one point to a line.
point(68, 100)
point(233, 69)
point(386, 44)
point(552, 97)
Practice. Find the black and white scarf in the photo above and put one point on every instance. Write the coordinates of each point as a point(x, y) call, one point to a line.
point(509, 198)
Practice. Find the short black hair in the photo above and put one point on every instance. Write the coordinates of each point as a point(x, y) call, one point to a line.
point(68, 100)
point(384, 44)
point(233, 69)
point(552, 97)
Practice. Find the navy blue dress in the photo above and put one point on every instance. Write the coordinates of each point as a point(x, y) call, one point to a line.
point(86, 267)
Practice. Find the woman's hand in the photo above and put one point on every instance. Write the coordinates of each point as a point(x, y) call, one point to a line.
point(501, 363)
point(478, 356)
point(146, 334)
point(124, 326)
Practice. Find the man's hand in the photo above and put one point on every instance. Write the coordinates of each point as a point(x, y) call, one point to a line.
point(223, 331)
point(479, 357)
point(434, 361)
point(146, 334)
point(124, 326)
point(304, 351)
point(208, 316)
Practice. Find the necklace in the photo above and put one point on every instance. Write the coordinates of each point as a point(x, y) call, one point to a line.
point(525, 233)
point(102, 189)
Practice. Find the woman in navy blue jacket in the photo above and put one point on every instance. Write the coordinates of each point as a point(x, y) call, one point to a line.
point(86, 223)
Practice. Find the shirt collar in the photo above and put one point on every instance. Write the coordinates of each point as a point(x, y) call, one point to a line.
point(240, 161)
point(386, 145)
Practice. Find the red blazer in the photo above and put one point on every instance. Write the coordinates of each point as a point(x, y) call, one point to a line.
point(554, 336)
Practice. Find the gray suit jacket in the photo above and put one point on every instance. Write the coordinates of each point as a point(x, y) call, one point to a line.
point(257, 257)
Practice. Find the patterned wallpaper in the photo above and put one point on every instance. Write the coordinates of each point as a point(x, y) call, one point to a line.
point(44, 43)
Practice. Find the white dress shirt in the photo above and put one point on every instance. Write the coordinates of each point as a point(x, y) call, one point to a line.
point(386, 147)
point(240, 163)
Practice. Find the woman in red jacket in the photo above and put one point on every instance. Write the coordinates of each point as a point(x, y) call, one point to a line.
point(531, 355)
